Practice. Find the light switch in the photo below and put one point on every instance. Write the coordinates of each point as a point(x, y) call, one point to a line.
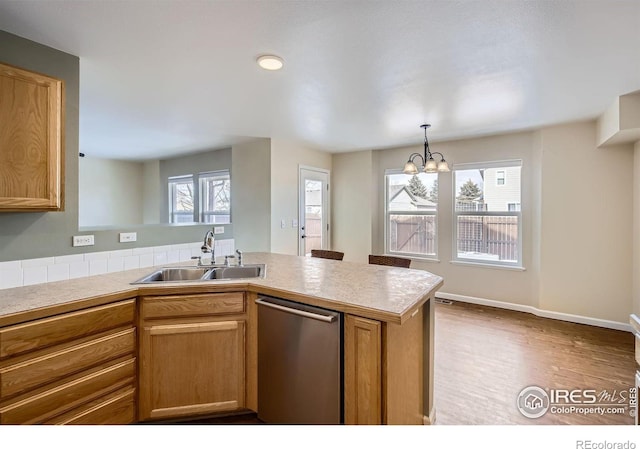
point(283, 223)
point(294, 223)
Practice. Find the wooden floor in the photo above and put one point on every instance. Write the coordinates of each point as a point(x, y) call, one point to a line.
point(484, 357)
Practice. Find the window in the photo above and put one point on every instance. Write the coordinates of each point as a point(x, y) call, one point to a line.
point(210, 203)
point(215, 197)
point(411, 203)
point(487, 213)
point(181, 199)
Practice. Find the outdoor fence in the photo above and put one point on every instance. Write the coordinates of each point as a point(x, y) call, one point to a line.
point(496, 236)
point(412, 234)
point(490, 237)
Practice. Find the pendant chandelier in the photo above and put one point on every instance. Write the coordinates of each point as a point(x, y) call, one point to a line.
point(428, 163)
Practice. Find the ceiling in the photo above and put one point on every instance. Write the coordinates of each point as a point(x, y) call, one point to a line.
point(164, 77)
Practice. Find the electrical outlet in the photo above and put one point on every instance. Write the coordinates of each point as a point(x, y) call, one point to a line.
point(218, 230)
point(128, 237)
point(83, 240)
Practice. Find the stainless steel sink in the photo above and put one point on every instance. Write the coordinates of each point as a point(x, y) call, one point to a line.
point(237, 272)
point(174, 274)
point(190, 274)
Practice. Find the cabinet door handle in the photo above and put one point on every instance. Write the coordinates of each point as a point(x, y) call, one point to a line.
point(194, 327)
point(315, 316)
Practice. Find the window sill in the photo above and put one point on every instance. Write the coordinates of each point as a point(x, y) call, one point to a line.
point(487, 265)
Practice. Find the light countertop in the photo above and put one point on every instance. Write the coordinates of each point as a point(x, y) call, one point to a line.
point(372, 291)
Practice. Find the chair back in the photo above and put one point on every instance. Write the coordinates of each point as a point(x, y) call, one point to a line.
point(391, 261)
point(326, 254)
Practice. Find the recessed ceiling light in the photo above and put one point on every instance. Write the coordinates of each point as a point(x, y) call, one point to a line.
point(270, 62)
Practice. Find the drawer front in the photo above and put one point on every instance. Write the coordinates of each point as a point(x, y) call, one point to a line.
point(58, 400)
point(192, 305)
point(116, 408)
point(53, 366)
point(39, 334)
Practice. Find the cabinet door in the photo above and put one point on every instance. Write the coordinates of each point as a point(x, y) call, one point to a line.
point(191, 368)
point(31, 141)
point(363, 371)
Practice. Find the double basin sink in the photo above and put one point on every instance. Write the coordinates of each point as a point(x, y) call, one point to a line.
point(202, 273)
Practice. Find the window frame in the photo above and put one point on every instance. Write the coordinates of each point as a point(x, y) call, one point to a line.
point(172, 181)
point(196, 181)
point(225, 174)
point(484, 166)
point(388, 213)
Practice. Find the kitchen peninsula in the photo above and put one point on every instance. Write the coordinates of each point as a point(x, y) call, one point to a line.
point(98, 349)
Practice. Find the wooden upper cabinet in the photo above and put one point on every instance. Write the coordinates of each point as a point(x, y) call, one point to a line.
point(31, 141)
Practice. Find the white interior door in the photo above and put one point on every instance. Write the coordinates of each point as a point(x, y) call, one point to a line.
point(313, 210)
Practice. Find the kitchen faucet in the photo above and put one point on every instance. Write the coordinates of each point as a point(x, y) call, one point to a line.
point(227, 259)
point(239, 253)
point(208, 246)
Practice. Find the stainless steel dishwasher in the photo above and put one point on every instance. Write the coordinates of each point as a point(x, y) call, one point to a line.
point(299, 363)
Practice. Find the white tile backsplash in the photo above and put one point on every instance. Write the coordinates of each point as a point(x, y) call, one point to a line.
point(78, 269)
point(69, 259)
point(146, 260)
point(34, 275)
point(100, 255)
point(120, 253)
point(139, 251)
point(58, 272)
point(11, 277)
point(185, 255)
point(98, 266)
point(159, 258)
point(10, 265)
point(43, 262)
point(115, 264)
point(173, 256)
point(16, 273)
point(131, 262)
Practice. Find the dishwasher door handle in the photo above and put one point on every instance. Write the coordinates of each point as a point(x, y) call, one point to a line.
point(314, 316)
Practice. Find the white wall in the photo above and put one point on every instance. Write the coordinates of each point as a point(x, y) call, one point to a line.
point(251, 195)
point(609, 122)
point(576, 220)
point(586, 257)
point(110, 192)
point(286, 156)
point(353, 198)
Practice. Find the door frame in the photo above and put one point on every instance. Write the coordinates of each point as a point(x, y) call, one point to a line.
point(326, 207)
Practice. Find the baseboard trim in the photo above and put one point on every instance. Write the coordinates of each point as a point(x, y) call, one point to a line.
point(538, 312)
point(431, 419)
